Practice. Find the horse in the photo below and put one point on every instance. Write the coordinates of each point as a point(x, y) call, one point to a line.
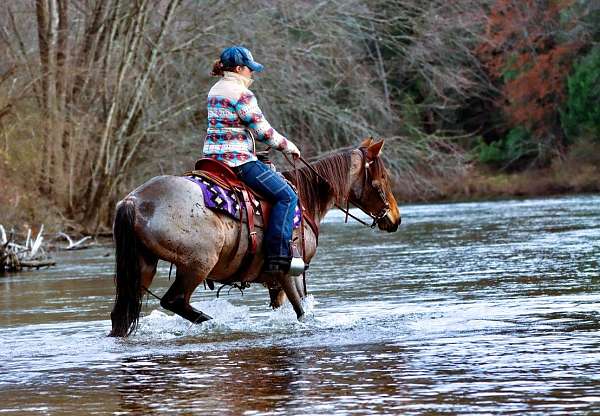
point(165, 218)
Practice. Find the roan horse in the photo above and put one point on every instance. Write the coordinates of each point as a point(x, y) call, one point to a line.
point(165, 218)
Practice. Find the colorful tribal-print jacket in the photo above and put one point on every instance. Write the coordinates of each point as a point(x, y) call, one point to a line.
point(233, 119)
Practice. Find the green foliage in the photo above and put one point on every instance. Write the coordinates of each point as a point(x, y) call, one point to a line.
point(581, 114)
point(509, 71)
point(411, 114)
point(516, 147)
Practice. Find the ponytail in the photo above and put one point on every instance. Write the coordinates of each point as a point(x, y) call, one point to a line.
point(217, 70)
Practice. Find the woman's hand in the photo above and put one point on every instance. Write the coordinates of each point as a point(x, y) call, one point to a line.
point(291, 149)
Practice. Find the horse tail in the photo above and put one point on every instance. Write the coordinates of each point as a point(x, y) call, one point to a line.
point(128, 302)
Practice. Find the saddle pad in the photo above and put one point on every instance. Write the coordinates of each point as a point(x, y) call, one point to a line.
point(223, 200)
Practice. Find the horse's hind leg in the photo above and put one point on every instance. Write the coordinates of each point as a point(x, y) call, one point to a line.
point(177, 298)
point(148, 263)
point(277, 296)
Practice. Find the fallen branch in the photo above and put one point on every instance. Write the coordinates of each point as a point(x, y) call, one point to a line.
point(77, 245)
point(37, 243)
point(37, 263)
point(14, 257)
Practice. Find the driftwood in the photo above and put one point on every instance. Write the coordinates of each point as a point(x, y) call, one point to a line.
point(14, 257)
point(76, 245)
point(38, 263)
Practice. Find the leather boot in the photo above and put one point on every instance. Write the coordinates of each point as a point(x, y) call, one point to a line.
point(276, 266)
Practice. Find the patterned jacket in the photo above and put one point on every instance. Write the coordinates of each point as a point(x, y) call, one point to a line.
point(234, 120)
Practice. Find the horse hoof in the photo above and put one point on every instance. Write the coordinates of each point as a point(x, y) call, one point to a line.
point(301, 317)
point(202, 317)
point(185, 310)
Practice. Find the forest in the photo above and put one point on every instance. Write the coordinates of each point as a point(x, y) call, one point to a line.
point(474, 98)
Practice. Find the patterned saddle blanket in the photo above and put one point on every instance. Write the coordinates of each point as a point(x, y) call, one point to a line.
point(222, 199)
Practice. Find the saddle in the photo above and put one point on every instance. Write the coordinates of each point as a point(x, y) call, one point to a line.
point(223, 176)
point(254, 205)
point(220, 172)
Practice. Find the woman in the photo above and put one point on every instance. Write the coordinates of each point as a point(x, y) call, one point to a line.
point(234, 120)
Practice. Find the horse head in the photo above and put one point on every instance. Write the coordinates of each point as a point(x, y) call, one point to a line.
point(371, 190)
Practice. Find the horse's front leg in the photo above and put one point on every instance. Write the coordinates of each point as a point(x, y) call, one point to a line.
point(293, 289)
point(299, 282)
point(277, 294)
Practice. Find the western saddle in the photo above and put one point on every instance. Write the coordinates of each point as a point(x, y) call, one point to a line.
point(224, 176)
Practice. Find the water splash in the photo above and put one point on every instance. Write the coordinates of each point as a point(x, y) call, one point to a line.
point(227, 318)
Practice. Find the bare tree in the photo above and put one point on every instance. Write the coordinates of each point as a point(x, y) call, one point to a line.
point(98, 92)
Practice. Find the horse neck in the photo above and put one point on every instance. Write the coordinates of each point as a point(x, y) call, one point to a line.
point(340, 171)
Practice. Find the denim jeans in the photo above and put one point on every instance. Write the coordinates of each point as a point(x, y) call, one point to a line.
point(276, 190)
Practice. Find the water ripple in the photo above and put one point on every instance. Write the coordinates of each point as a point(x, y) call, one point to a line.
point(471, 308)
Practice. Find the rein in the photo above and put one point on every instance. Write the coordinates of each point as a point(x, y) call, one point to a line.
point(376, 218)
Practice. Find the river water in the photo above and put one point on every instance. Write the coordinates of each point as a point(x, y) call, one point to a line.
point(470, 308)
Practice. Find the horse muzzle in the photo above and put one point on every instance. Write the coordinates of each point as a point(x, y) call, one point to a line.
point(387, 224)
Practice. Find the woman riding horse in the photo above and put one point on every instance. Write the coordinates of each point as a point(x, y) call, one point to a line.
point(166, 218)
point(234, 120)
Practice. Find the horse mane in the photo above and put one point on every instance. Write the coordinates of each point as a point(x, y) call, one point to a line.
point(313, 192)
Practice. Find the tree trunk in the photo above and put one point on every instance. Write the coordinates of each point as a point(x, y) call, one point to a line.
point(41, 9)
point(62, 118)
point(118, 146)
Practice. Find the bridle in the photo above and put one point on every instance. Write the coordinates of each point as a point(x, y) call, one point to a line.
point(366, 164)
point(383, 212)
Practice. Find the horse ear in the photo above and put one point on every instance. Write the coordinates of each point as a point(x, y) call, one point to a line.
point(367, 142)
point(374, 150)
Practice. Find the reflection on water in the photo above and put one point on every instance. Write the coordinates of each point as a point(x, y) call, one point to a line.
point(476, 308)
point(269, 379)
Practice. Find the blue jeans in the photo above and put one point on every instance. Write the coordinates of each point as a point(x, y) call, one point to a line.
point(276, 190)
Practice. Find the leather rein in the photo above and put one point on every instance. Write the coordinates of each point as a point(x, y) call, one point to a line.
point(376, 217)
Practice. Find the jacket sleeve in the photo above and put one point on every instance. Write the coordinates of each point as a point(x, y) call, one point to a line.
point(250, 113)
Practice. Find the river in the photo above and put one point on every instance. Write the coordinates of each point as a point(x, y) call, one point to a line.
point(470, 308)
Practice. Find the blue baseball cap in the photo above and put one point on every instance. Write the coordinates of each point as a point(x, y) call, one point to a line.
point(238, 55)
